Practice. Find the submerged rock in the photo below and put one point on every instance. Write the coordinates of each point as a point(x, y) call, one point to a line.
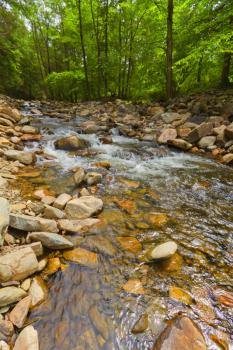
point(99, 322)
point(27, 339)
point(84, 207)
point(71, 143)
point(75, 226)
point(82, 256)
point(181, 334)
point(93, 178)
point(134, 286)
point(163, 251)
point(4, 218)
point(140, 325)
point(51, 240)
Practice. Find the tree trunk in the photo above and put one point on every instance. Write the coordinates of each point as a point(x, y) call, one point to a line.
point(83, 48)
point(106, 50)
point(169, 50)
point(225, 82)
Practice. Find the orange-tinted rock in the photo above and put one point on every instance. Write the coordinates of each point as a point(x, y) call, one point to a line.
point(180, 295)
point(53, 266)
point(106, 165)
point(82, 256)
point(181, 334)
point(158, 219)
point(223, 297)
point(130, 243)
point(31, 137)
point(134, 286)
point(127, 205)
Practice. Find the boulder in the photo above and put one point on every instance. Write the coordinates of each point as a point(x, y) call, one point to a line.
point(163, 251)
point(207, 141)
point(29, 223)
point(27, 339)
point(228, 158)
point(51, 240)
point(4, 218)
point(26, 158)
point(61, 200)
point(181, 144)
point(71, 143)
point(75, 226)
point(27, 129)
point(18, 264)
point(10, 295)
point(229, 132)
point(93, 178)
point(79, 176)
point(19, 313)
point(167, 135)
point(6, 330)
point(12, 112)
point(53, 213)
point(38, 291)
point(4, 345)
point(181, 334)
point(84, 207)
point(200, 131)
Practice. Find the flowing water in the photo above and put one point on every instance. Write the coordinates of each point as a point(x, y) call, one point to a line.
point(155, 195)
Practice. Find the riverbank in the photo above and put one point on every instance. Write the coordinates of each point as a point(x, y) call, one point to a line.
point(53, 220)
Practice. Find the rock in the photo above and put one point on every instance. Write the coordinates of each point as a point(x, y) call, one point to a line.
point(26, 158)
point(183, 132)
point(48, 200)
point(104, 164)
point(84, 192)
point(134, 286)
point(31, 137)
point(79, 176)
point(29, 223)
point(167, 135)
point(42, 264)
point(207, 141)
point(18, 265)
point(180, 295)
point(170, 117)
point(27, 339)
point(6, 122)
point(229, 132)
point(181, 334)
point(99, 322)
point(8, 111)
point(6, 330)
point(130, 243)
point(224, 297)
point(3, 182)
point(4, 218)
point(36, 207)
point(53, 266)
point(141, 325)
point(100, 244)
point(200, 131)
point(84, 207)
point(71, 143)
point(93, 178)
point(4, 346)
point(19, 314)
point(41, 193)
point(82, 256)
point(25, 285)
point(75, 226)
point(36, 247)
point(53, 213)
point(27, 129)
point(220, 130)
point(163, 251)
point(10, 295)
point(62, 200)
point(181, 144)
point(38, 291)
point(106, 140)
point(51, 240)
point(228, 158)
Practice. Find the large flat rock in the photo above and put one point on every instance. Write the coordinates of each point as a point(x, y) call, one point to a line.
point(51, 240)
point(84, 207)
point(4, 218)
point(30, 223)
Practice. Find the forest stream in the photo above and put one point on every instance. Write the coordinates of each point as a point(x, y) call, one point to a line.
point(151, 195)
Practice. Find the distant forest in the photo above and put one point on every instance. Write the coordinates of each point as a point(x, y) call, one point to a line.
point(133, 49)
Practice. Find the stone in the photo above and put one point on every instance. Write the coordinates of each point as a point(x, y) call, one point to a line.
point(140, 325)
point(104, 164)
point(163, 251)
point(228, 158)
point(6, 330)
point(84, 207)
point(51, 240)
point(27, 129)
point(62, 200)
point(31, 137)
point(167, 135)
point(93, 178)
point(29, 223)
point(75, 226)
point(41, 193)
point(170, 117)
point(181, 144)
point(48, 200)
point(10, 295)
point(3, 182)
point(71, 143)
point(26, 158)
point(53, 266)
point(224, 297)
point(181, 334)
point(12, 112)
point(18, 264)
point(220, 130)
point(180, 295)
point(229, 132)
point(131, 244)
point(82, 257)
point(38, 291)
point(79, 176)
point(101, 244)
point(19, 314)
point(6, 122)
point(134, 286)
point(207, 141)
point(200, 131)
point(4, 345)
point(84, 192)
point(183, 132)
point(25, 285)
point(36, 247)
point(53, 213)
point(27, 339)
point(99, 322)
point(4, 218)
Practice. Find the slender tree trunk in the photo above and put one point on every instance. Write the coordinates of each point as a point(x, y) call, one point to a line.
point(169, 53)
point(120, 50)
point(225, 82)
point(106, 49)
point(83, 48)
point(99, 65)
point(199, 69)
